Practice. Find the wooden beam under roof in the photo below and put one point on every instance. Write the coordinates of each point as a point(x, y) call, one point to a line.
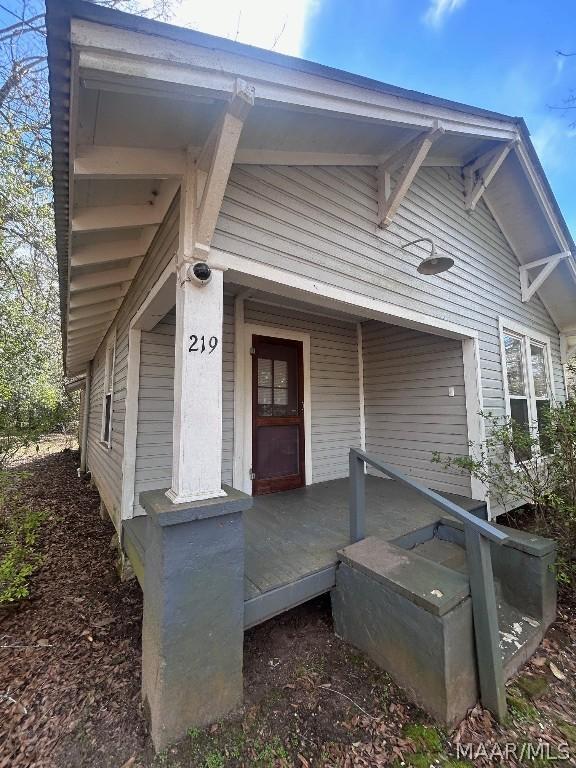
point(126, 61)
point(104, 162)
point(89, 298)
point(130, 163)
point(95, 218)
point(105, 277)
point(547, 264)
point(408, 160)
point(78, 323)
point(479, 173)
point(106, 252)
point(76, 334)
point(213, 165)
point(95, 339)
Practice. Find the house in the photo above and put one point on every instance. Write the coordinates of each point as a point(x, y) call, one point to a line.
point(274, 274)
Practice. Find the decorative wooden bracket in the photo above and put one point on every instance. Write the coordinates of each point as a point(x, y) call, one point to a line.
point(409, 159)
point(480, 172)
point(548, 265)
point(205, 177)
point(214, 163)
point(567, 345)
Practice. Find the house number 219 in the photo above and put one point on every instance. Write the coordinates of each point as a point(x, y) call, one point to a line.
point(199, 344)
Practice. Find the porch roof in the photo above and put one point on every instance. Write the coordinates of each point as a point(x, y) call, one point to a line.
point(130, 95)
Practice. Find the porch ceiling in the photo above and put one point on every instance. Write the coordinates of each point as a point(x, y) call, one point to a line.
point(125, 111)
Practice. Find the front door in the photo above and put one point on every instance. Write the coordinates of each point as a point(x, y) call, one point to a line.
point(277, 415)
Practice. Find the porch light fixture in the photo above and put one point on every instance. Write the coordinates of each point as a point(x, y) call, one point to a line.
point(433, 264)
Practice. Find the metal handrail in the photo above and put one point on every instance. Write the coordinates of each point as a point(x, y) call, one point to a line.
point(482, 526)
point(478, 534)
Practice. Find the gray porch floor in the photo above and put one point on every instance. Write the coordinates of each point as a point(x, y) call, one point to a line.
point(292, 537)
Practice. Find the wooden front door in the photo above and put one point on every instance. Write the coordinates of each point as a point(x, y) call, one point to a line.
point(277, 415)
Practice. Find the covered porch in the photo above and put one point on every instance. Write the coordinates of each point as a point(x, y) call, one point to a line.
point(291, 538)
point(367, 377)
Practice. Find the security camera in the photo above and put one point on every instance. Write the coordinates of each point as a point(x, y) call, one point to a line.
point(201, 272)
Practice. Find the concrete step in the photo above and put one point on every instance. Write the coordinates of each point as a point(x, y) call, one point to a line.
point(519, 632)
point(444, 553)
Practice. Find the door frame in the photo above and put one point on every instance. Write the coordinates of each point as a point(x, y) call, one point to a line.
point(244, 483)
point(301, 443)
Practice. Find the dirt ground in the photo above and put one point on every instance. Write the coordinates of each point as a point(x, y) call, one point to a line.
point(70, 675)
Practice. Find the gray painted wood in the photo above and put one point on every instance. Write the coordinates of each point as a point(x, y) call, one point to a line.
point(409, 414)
point(486, 630)
point(335, 405)
point(294, 534)
point(321, 223)
point(105, 463)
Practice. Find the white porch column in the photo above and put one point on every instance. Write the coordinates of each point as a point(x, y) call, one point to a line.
point(85, 418)
point(197, 431)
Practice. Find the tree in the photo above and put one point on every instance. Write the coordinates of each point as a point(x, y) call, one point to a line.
point(32, 396)
point(569, 103)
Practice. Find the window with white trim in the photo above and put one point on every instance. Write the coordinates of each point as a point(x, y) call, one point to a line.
point(528, 384)
point(108, 395)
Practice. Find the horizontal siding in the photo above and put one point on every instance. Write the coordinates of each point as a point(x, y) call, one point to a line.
point(409, 413)
point(227, 390)
point(106, 463)
point(155, 409)
point(321, 223)
point(335, 406)
point(156, 404)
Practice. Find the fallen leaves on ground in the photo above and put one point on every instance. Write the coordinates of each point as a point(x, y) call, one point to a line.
point(70, 672)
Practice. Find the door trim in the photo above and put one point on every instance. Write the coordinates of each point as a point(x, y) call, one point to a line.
point(244, 483)
point(287, 482)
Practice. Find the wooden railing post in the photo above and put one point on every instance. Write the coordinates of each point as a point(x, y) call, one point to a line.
point(357, 498)
point(488, 653)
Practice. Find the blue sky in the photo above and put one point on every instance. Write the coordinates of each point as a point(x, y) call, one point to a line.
point(497, 54)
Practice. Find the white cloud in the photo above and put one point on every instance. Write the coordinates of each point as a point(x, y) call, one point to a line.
point(552, 139)
point(280, 25)
point(439, 10)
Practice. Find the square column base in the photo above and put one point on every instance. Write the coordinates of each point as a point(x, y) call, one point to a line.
point(193, 622)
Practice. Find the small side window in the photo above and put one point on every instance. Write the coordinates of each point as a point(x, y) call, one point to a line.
point(108, 397)
point(528, 380)
point(517, 389)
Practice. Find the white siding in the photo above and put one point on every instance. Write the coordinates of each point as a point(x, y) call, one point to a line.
point(409, 414)
point(321, 222)
point(105, 463)
point(156, 404)
point(333, 383)
point(334, 392)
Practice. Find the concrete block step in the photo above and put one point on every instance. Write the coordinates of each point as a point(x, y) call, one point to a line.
point(520, 634)
point(444, 553)
point(518, 629)
point(424, 582)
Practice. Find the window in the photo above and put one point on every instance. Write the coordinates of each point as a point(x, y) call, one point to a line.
point(528, 384)
point(108, 397)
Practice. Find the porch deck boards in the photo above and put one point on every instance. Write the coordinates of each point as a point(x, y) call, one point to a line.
point(291, 538)
point(294, 534)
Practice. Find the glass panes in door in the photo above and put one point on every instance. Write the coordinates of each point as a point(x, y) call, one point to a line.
point(278, 384)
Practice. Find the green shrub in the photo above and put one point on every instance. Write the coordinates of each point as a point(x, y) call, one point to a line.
point(542, 476)
point(19, 530)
